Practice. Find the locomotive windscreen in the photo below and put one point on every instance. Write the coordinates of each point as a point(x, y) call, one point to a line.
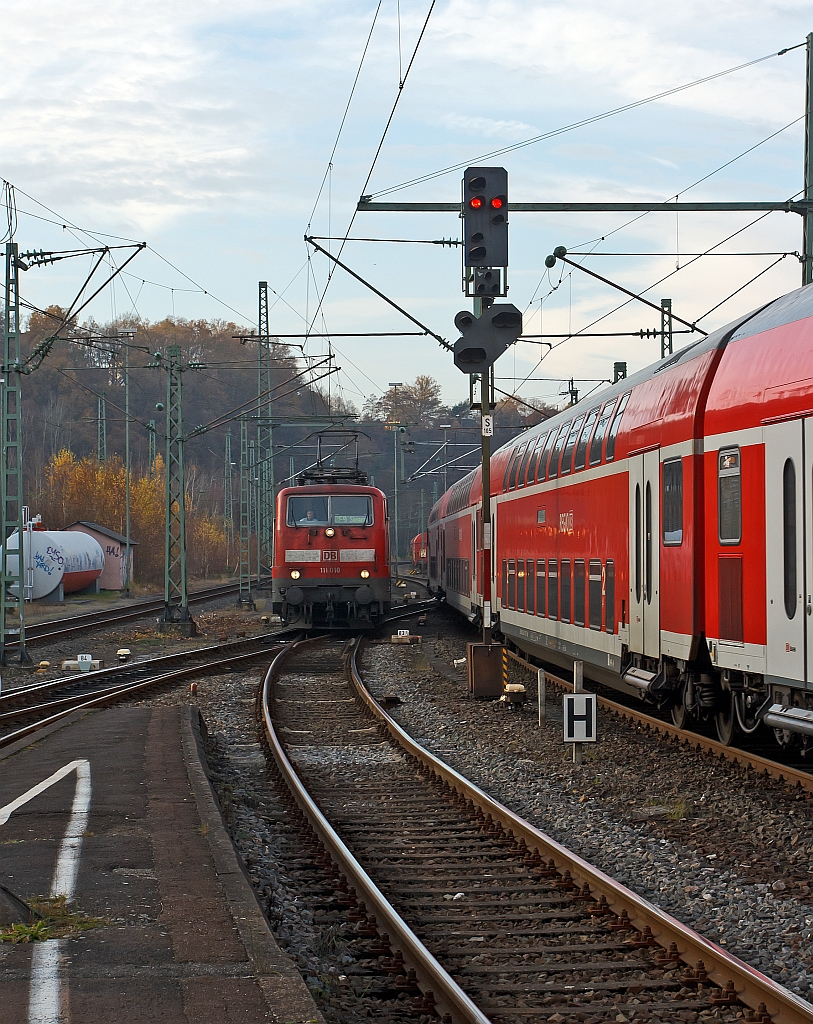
point(336, 509)
point(308, 511)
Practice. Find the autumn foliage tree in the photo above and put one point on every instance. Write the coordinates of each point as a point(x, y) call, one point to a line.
point(85, 489)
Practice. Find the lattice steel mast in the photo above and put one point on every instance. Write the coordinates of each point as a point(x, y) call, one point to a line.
point(228, 499)
point(12, 607)
point(176, 599)
point(265, 444)
point(244, 598)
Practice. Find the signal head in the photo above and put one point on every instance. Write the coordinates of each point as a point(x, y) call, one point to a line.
point(498, 202)
point(477, 202)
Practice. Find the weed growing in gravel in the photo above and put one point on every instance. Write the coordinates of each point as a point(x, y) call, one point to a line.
point(54, 920)
point(677, 810)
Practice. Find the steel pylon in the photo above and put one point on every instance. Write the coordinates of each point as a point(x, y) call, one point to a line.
point(228, 498)
point(101, 430)
point(265, 444)
point(12, 606)
point(176, 599)
point(244, 598)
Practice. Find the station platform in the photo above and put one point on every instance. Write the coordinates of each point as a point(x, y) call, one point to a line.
point(115, 809)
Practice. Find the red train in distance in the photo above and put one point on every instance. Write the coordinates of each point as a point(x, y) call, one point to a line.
point(331, 551)
point(419, 549)
point(662, 531)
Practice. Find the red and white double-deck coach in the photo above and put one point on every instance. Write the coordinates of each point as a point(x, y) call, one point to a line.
point(662, 532)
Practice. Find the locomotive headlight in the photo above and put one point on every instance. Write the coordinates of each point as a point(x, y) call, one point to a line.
point(329, 532)
point(295, 574)
point(365, 574)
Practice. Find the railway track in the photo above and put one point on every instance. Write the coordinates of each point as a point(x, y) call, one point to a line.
point(56, 628)
point(790, 774)
point(27, 710)
point(469, 910)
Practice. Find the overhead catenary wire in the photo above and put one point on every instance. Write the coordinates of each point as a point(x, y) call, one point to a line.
point(346, 111)
point(580, 124)
point(376, 155)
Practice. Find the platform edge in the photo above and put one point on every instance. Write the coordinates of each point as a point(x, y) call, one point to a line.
point(285, 992)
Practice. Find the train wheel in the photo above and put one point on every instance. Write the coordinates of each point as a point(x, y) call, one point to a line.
point(679, 711)
point(725, 720)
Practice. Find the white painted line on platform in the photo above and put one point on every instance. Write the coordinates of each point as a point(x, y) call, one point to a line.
point(44, 995)
point(9, 809)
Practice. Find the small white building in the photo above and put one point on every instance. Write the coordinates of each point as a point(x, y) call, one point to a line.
point(114, 546)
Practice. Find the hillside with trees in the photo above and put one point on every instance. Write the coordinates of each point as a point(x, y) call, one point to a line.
point(66, 480)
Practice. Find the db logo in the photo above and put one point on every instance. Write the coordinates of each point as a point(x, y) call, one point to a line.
point(330, 556)
point(565, 522)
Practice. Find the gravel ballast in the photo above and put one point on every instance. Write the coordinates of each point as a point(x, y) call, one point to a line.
point(721, 848)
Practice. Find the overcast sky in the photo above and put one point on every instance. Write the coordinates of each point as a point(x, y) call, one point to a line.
point(205, 129)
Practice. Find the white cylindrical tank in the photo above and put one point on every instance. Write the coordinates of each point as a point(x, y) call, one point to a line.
point(84, 559)
point(57, 556)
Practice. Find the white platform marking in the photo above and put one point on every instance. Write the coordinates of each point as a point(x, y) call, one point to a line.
point(44, 995)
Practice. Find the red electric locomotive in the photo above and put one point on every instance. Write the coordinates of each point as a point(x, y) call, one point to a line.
point(662, 533)
point(331, 551)
point(419, 551)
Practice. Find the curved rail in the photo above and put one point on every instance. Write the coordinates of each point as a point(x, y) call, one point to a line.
point(777, 770)
point(724, 969)
point(85, 702)
point(449, 997)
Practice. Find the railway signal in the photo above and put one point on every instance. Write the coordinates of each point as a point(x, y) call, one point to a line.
point(486, 337)
point(485, 217)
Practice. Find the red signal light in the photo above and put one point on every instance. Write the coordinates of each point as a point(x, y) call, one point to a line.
point(476, 203)
point(497, 203)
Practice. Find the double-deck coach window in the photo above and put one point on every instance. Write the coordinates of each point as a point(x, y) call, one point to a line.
point(673, 502)
point(601, 429)
point(561, 437)
point(729, 496)
point(581, 449)
point(609, 449)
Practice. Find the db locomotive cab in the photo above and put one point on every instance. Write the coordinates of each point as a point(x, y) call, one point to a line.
point(331, 564)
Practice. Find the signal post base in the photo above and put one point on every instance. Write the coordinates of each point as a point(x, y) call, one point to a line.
point(184, 627)
point(484, 663)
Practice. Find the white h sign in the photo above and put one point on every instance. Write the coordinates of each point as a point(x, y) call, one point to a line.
point(579, 714)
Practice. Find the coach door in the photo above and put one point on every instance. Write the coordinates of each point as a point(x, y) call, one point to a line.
point(644, 600)
point(788, 451)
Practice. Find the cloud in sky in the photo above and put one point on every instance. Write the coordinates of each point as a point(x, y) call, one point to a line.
point(205, 128)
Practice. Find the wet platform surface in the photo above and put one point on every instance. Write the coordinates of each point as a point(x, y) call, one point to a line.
point(131, 830)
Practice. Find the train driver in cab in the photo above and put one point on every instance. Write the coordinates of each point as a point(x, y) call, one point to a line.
point(309, 511)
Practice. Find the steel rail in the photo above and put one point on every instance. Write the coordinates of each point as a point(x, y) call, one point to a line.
point(791, 776)
point(52, 628)
point(125, 690)
point(724, 969)
point(449, 996)
point(22, 692)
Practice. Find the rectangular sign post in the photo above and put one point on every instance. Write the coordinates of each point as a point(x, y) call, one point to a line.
point(543, 716)
point(579, 714)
